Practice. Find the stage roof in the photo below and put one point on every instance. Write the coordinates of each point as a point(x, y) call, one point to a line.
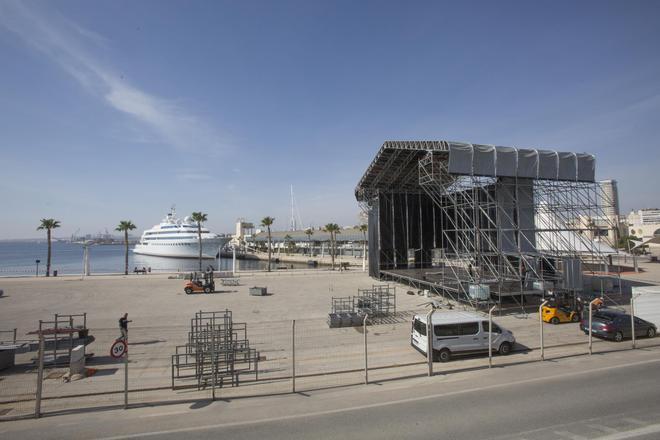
point(395, 166)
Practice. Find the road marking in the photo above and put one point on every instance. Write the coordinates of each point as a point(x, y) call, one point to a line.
point(603, 428)
point(570, 435)
point(561, 376)
point(650, 429)
point(173, 413)
point(633, 421)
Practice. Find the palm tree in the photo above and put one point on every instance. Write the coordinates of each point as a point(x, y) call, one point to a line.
point(125, 226)
point(288, 243)
point(267, 222)
point(48, 224)
point(309, 232)
point(199, 218)
point(333, 229)
point(363, 228)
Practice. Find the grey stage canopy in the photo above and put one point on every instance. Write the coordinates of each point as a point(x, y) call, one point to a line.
point(396, 164)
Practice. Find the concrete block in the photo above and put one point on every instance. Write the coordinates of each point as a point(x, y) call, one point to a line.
point(258, 291)
point(77, 363)
point(334, 320)
point(7, 358)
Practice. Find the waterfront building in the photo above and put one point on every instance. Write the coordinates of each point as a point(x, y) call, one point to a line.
point(645, 224)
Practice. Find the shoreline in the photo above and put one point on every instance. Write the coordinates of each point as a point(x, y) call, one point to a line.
point(297, 258)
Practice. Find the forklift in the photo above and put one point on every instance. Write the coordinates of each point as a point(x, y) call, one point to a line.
point(200, 282)
point(561, 308)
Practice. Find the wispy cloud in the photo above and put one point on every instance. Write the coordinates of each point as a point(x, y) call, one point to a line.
point(193, 176)
point(70, 45)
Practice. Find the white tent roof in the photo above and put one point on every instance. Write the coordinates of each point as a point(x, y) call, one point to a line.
point(554, 235)
point(654, 240)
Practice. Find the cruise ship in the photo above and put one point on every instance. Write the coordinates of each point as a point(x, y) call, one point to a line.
point(178, 239)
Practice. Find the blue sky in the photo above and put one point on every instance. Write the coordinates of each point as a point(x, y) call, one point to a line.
point(117, 110)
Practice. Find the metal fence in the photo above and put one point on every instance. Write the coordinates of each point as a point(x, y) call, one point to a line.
point(284, 357)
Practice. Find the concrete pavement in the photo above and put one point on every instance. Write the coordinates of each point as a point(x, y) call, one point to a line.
point(161, 314)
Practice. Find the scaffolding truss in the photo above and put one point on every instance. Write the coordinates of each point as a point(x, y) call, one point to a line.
point(217, 352)
point(349, 311)
point(488, 222)
point(61, 336)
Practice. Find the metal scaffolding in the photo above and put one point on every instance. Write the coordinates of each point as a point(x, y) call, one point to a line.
point(480, 224)
point(349, 311)
point(61, 336)
point(217, 351)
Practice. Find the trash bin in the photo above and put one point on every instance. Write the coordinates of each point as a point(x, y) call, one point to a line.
point(54, 273)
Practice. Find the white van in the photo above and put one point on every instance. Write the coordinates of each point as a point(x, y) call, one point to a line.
point(459, 332)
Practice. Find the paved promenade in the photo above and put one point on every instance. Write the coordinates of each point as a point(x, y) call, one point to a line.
point(161, 313)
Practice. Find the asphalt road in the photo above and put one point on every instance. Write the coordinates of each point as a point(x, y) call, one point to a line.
point(612, 396)
point(577, 407)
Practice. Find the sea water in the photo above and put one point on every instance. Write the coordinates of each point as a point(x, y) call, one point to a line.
point(19, 258)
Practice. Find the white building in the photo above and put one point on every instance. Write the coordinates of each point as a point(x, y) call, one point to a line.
point(244, 230)
point(610, 202)
point(644, 223)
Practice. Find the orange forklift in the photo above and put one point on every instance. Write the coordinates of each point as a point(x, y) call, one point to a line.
point(200, 282)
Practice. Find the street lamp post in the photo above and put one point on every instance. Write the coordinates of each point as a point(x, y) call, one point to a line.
point(37, 261)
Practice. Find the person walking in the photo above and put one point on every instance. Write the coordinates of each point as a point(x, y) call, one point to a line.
point(123, 326)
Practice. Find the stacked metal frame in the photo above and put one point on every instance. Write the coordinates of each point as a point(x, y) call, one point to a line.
point(480, 223)
point(217, 351)
point(349, 311)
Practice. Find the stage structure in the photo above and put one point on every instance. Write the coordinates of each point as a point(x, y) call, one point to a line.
point(479, 223)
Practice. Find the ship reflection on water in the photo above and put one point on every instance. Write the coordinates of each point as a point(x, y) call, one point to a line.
point(168, 264)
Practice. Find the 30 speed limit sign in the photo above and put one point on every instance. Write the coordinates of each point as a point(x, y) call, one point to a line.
point(118, 349)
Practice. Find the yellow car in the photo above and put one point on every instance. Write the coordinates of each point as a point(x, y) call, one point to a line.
point(555, 315)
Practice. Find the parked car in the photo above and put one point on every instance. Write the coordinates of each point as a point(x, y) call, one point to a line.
point(615, 325)
point(459, 333)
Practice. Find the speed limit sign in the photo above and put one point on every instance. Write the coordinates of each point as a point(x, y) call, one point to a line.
point(118, 349)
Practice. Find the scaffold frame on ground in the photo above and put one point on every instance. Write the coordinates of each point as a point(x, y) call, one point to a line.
point(217, 351)
point(379, 301)
point(486, 225)
point(61, 336)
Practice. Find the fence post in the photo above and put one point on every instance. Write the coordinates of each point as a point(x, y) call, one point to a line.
point(591, 304)
point(293, 356)
point(40, 376)
point(126, 372)
point(214, 364)
point(632, 319)
point(429, 341)
point(366, 365)
point(490, 336)
point(543, 304)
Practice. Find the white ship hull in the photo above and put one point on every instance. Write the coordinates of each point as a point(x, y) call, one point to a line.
point(182, 249)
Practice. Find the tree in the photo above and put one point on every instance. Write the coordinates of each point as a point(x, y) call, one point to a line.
point(199, 218)
point(125, 226)
point(48, 224)
point(268, 222)
point(309, 232)
point(290, 245)
point(333, 229)
point(363, 228)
